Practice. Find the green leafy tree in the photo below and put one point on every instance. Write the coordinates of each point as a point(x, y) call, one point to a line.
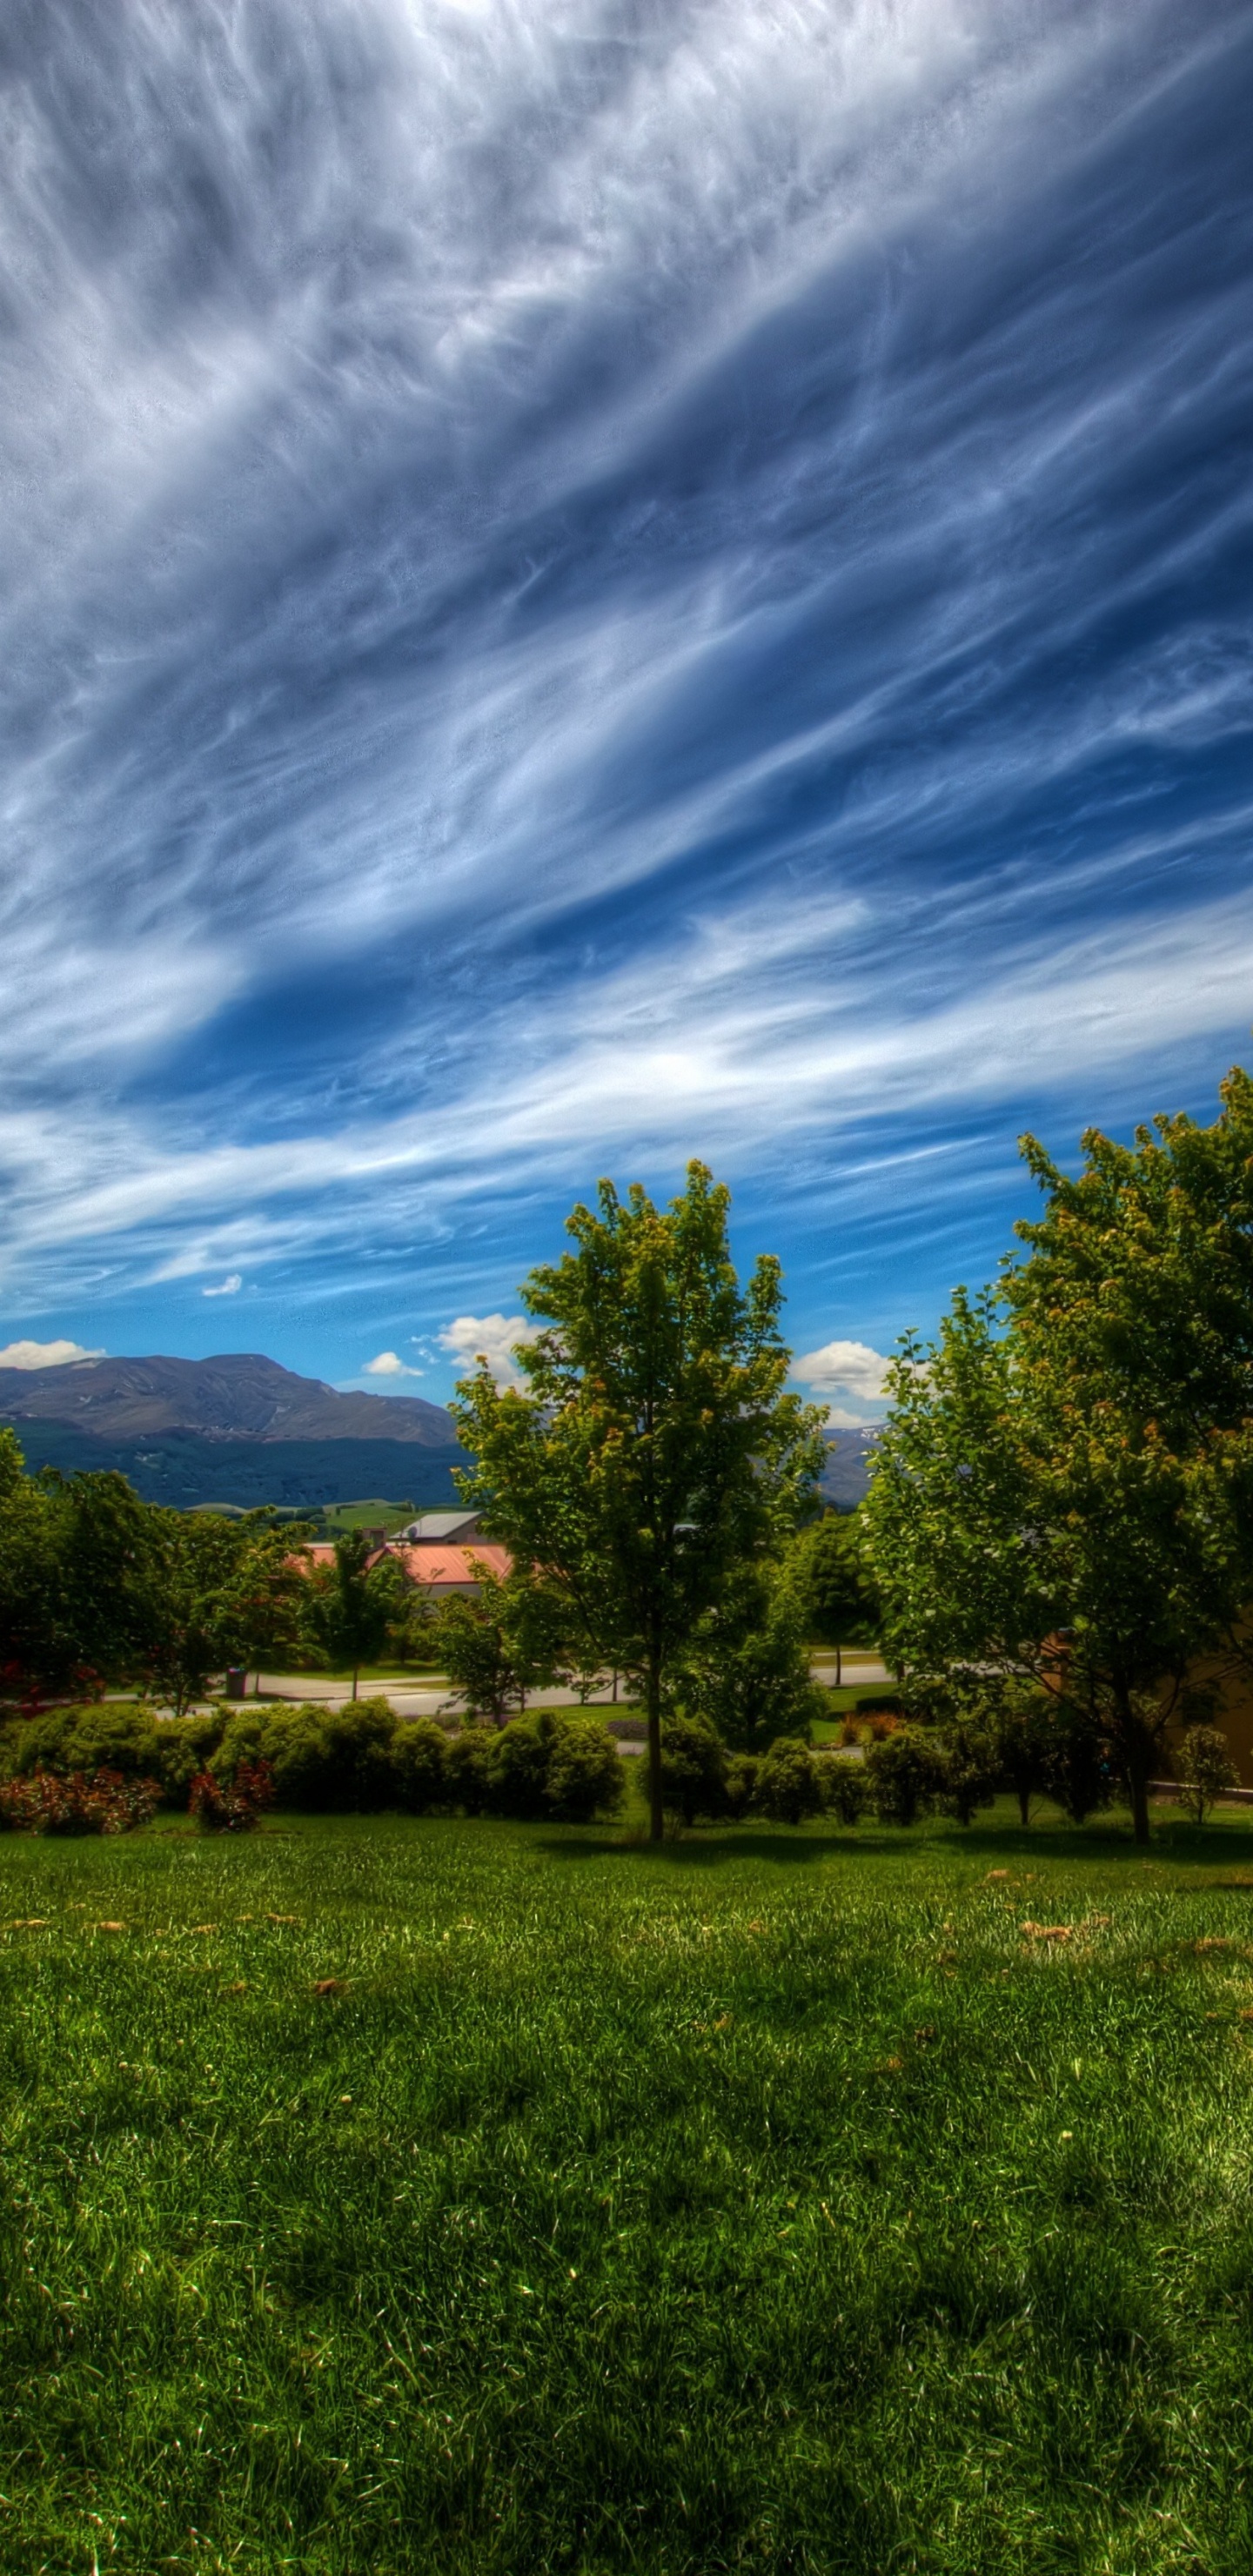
point(503, 1641)
point(839, 1592)
point(263, 1606)
point(652, 1450)
point(1204, 1769)
point(746, 1667)
point(74, 1565)
point(193, 1567)
point(349, 1605)
point(1036, 1509)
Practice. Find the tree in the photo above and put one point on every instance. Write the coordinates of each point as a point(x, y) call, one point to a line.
point(1205, 1770)
point(500, 1642)
point(746, 1667)
point(263, 1608)
point(1034, 1511)
point(651, 1451)
point(840, 1595)
point(349, 1606)
point(193, 1567)
point(74, 1566)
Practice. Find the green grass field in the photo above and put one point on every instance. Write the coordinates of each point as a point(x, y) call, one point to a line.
point(766, 2202)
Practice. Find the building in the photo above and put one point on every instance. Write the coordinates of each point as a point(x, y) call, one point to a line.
point(439, 1529)
point(437, 1572)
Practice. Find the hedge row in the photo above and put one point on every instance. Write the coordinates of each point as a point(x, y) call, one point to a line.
point(324, 1760)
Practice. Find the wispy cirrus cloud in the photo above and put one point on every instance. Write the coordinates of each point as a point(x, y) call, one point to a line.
point(594, 583)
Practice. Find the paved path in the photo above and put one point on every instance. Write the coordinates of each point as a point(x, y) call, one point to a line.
point(411, 1698)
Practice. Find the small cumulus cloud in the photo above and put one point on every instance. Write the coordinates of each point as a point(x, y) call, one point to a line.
point(230, 1287)
point(849, 1369)
point(389, 1364)
point(494, 1338)
point(40, 1355)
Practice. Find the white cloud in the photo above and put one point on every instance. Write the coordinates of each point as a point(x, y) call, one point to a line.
point(839, 1418)
point(230, 1287)
point(853, 1365)
point(495, 1336)
point(40, 1355)
point(388, 1364)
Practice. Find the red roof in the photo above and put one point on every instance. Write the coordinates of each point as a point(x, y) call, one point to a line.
point(430, 1566)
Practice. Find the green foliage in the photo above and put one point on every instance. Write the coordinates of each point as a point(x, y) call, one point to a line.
point(906, 1773)
point(654, 1451)
point(971, 1768)
point(108, 1736)
point(1078, 1771)
point(500, 1643)
point(693, 1768)
point(468, 1770)
point(74, 1588)
point(789, 1783)
point(350, 1605)
point(1204, 1769)
point(420, 1760)
point(585, 1775)
point(740, 1785)
point(841, 1600)
point(746, 1668)
point(846, 1790)
point(323, 1760)
point(1064, 1487)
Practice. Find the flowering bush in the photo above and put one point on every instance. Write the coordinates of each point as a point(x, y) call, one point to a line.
point(99, 1802)
point(233, 1810)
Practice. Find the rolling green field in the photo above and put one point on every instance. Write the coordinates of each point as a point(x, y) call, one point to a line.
point(387, 2194)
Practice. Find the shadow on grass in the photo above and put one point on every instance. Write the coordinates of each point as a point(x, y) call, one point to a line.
point(699, 1850)
point(1225, 1843)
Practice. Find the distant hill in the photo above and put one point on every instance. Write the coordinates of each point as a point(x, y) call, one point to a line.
point(240, 1429)
point(845, 1481)
point(239, 1396)
point(235, 1429)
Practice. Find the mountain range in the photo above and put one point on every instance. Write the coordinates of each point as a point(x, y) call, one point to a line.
point(239, 1428)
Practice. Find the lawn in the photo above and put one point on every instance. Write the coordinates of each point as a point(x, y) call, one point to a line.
point(766, 2202)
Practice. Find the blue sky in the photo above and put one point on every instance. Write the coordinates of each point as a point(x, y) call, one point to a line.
point(589, 581)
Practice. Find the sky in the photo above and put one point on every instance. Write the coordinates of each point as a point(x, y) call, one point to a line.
point(587, 582)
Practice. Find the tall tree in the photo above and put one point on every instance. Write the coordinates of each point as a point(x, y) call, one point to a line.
point(350, 1605)
point(652, 1450)
point(1064, 1487)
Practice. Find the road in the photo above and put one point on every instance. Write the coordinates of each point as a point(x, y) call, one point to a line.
point(433, 1699)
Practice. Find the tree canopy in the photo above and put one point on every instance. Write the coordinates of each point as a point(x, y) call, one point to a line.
point(651, 1449)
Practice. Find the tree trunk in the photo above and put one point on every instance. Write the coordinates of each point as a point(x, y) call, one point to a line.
point(355, 1670)
point(1137, 1748)
point(652, 1702)
point(839, 1667)
point(1024, 1808)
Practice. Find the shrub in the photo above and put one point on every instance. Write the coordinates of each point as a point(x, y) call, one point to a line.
point(234, 1808)
point(741, 1781)
point(102, 1802)
point(693, 1768)
point(324, 1760)
point(1078, 1772)
point(906, 1776)
point(585, 1777)
point(789, 1786)
point(845, 1789)
point(1021, 1726)
point(970, 1765)
point(420, 1761)
point(1204, 1769)
point(466, 1770)
point(517, 1769)
point(110, 1737)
